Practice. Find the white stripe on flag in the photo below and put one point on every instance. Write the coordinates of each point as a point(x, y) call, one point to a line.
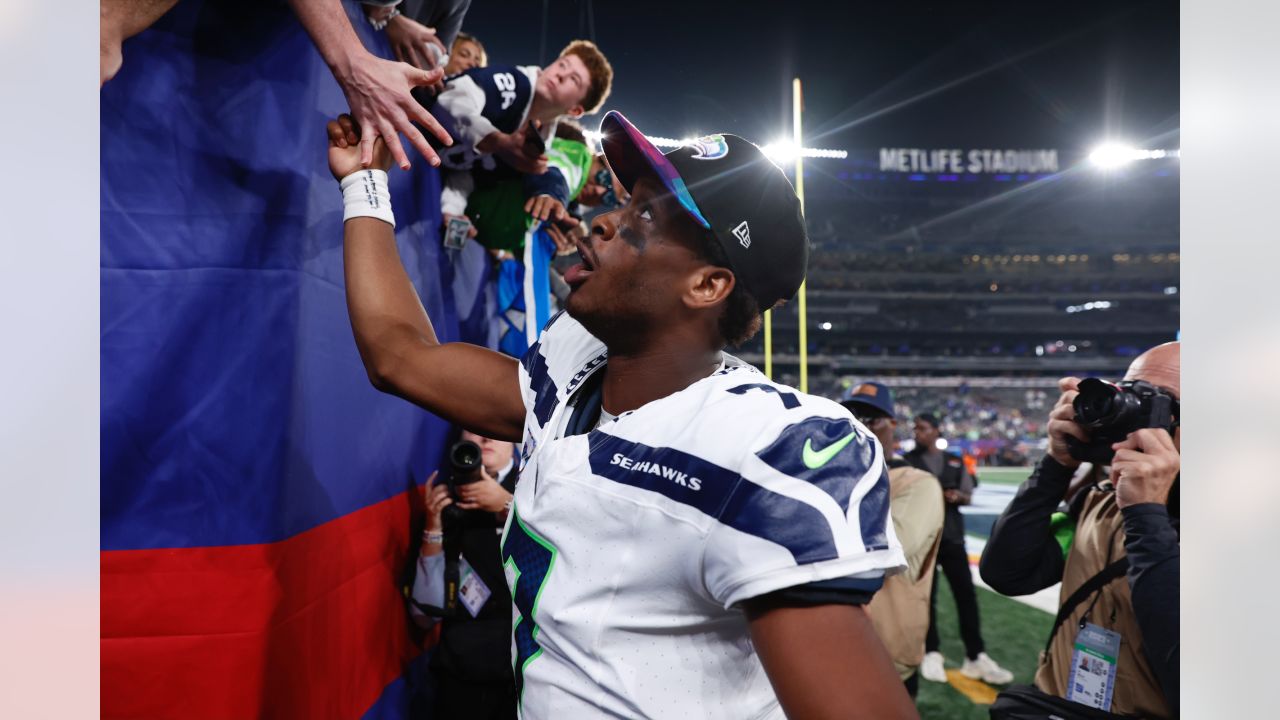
point(530, 303)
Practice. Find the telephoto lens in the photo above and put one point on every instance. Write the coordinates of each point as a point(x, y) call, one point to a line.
point(464, 456)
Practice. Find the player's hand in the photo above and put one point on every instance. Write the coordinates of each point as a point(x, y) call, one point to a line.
point(377, 91)
point(446, 217)
point(545, 207)
point(1062, 424)
point(484, 494)
point(409, 39)
point(344, 148)
point(437, 499)
point(1145, 466)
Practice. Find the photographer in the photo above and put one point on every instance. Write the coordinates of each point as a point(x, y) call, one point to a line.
point(953, 560)
point(1114, 647)
point(900, 610)
point(471, 664)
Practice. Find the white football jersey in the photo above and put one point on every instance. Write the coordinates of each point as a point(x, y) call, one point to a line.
point(628, 547)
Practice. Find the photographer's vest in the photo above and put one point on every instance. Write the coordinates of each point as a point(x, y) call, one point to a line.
point(1099, 540)
point(900, 609)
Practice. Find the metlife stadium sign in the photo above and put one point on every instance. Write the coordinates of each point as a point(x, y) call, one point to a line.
point(956, 160)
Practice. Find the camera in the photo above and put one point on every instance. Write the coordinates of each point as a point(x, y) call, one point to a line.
point(1109, 412)
point(464, 463)
point(464, 459)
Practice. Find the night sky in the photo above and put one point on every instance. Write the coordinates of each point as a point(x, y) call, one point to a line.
point(941, 74)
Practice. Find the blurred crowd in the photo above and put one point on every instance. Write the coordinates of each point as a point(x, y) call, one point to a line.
point(996, 426)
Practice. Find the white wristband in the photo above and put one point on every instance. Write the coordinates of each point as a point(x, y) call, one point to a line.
point(365, 194)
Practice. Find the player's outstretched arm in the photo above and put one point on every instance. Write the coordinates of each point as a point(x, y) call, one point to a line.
point(826, 662)
point(468, 385)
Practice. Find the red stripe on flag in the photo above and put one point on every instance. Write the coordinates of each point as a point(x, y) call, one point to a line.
point(309, 627)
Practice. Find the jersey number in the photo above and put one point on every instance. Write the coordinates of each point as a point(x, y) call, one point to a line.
point(506, 83)
point(789, 400)
point(528, 559)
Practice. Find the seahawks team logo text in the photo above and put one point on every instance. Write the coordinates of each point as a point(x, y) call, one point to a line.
point(654, 468)
point(709, 147)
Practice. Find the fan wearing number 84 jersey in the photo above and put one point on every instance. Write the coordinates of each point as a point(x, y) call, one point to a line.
point(688, 538)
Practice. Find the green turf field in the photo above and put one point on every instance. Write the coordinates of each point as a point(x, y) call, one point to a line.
point(1003, 475)
point(1014, 635)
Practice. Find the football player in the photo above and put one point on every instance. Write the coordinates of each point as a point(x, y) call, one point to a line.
point(688, 538)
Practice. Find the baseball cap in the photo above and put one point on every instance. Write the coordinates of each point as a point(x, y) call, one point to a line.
point(728, 186)
point(872, 395)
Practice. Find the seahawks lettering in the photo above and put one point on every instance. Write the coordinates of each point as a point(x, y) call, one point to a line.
point(653, 468)
point(582, 374)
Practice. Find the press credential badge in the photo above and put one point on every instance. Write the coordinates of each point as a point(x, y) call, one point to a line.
point(1093, 667)
point(472, 590)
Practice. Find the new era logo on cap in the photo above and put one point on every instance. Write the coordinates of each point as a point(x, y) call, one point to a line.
point(743, 233)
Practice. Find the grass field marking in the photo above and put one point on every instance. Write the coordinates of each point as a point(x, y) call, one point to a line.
point(978, 692)
point(1003, 475)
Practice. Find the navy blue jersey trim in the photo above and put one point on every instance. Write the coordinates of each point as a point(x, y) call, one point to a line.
point(716, 492)
point(873, 514)
point(837, 475)
point(544, 388)
point(837, 591)
point(799, 452)
point(798, 526)
point(789, 400)
point(551, 321)
point(682, 477)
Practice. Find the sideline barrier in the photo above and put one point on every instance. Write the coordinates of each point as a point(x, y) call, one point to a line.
point(259, 497)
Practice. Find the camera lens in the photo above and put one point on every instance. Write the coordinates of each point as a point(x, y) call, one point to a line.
point(464, 456)
point(1104, 406)
point(1096, 404)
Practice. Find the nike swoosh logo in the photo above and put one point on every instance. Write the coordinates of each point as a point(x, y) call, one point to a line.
point(814, 459)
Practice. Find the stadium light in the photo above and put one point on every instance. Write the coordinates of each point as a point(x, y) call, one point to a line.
point(781, 152)
point(1113, 155)
point(666, 142)
point(1094, 305)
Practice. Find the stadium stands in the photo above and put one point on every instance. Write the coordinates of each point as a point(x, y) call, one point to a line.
point(1030, 276)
